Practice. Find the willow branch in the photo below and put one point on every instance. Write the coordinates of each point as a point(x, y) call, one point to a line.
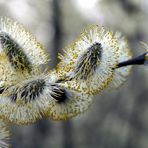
point(139, 60)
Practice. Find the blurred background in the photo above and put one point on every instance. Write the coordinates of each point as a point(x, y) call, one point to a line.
point(118, 118)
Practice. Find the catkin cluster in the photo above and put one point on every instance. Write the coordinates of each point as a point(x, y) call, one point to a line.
point(29, 93)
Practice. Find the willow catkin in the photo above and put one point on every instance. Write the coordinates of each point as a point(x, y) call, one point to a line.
point(90, 60)
point(28, 101)
point(21, 47)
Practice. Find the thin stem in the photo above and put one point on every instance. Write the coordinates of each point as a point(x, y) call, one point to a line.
point(139, 60)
